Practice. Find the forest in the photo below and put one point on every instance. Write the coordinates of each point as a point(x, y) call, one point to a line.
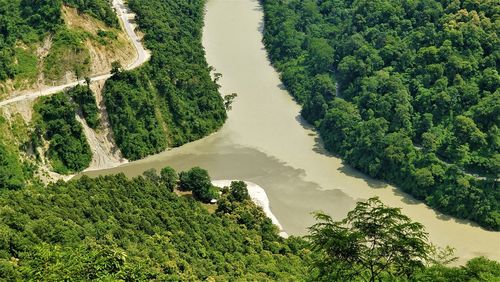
point(172, 99)
point(56, 123)
point(113, 228)
point(405, 91)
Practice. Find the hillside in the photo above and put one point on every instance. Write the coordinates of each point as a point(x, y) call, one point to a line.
point(167, 102)
point(172, 100)
point(113, 228)
point(405, 91)
point(53, 43)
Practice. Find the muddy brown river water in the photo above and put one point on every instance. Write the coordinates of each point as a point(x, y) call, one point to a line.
point(266, 142)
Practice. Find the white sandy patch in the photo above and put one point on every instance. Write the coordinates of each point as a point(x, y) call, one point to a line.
point(259, 197)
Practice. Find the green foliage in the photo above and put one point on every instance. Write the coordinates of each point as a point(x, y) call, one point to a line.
point(68, 150)
point(228, 100)
point(11, 176)
point(67, 53)
point(99, 9)
point(112, 228)
point(11, 172)
point(239, 191)
point(198, 181)
point(85, 99)
point(26, 21)
point(173, 91)
point(477, 269)
point(417, 92)
point(372, 242)
point(169, 178)
point(137, 127)
point(14, 136)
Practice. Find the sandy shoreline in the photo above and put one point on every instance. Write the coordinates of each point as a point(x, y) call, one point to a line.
point(259, 197)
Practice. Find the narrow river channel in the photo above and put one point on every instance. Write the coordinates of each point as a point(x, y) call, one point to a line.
point(266, 142)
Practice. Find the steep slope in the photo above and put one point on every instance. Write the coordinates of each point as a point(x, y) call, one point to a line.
point(64, 44)
point(172, 99)
point(108, 44)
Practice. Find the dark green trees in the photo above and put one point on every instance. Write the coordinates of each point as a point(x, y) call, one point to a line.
point(85, 100)
point(239, 191)
point(172, 100)
point(374, 241)
point(68, 150)
point(169, 178)
point(198, 181)
point(114, 228)
point(416, 94)
point(137, 126)
point(11, 172)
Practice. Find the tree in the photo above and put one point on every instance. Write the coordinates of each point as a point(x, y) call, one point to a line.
point(116, 67)
point(372, 242)
point(152, 175)
point(320, 55)
point(239, 191)
point(198, 181)
point(11, 172)
point(169, 177)
point(228, 100)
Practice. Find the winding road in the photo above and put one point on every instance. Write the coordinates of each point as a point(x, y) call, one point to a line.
point(142, 56)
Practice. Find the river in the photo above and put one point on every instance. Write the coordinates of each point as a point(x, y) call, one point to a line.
point(266, 142)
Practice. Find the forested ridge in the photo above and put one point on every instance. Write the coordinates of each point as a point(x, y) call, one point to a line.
point(172, 99)
point(405, 91)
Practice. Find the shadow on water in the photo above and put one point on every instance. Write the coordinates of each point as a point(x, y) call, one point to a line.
point(282, 86)
point(410, 200)
point(319, 148)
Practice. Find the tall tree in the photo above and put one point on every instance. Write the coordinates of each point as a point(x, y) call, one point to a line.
point(373, 241)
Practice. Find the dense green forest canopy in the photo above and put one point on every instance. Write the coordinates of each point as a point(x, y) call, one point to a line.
point(136, 230)
point(113, 228)
point(172, 99)
point(405, 91)
point(29, 21)
point(68, 150)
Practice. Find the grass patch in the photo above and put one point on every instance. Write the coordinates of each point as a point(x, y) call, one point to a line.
point(26, 68)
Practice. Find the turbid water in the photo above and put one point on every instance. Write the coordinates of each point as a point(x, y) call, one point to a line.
point(266, 142)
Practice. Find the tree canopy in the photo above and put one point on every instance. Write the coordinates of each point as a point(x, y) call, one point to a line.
point(372, 242)
point(171, 100)
point(69, 150)
point(113, 228)
point(405, 91)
